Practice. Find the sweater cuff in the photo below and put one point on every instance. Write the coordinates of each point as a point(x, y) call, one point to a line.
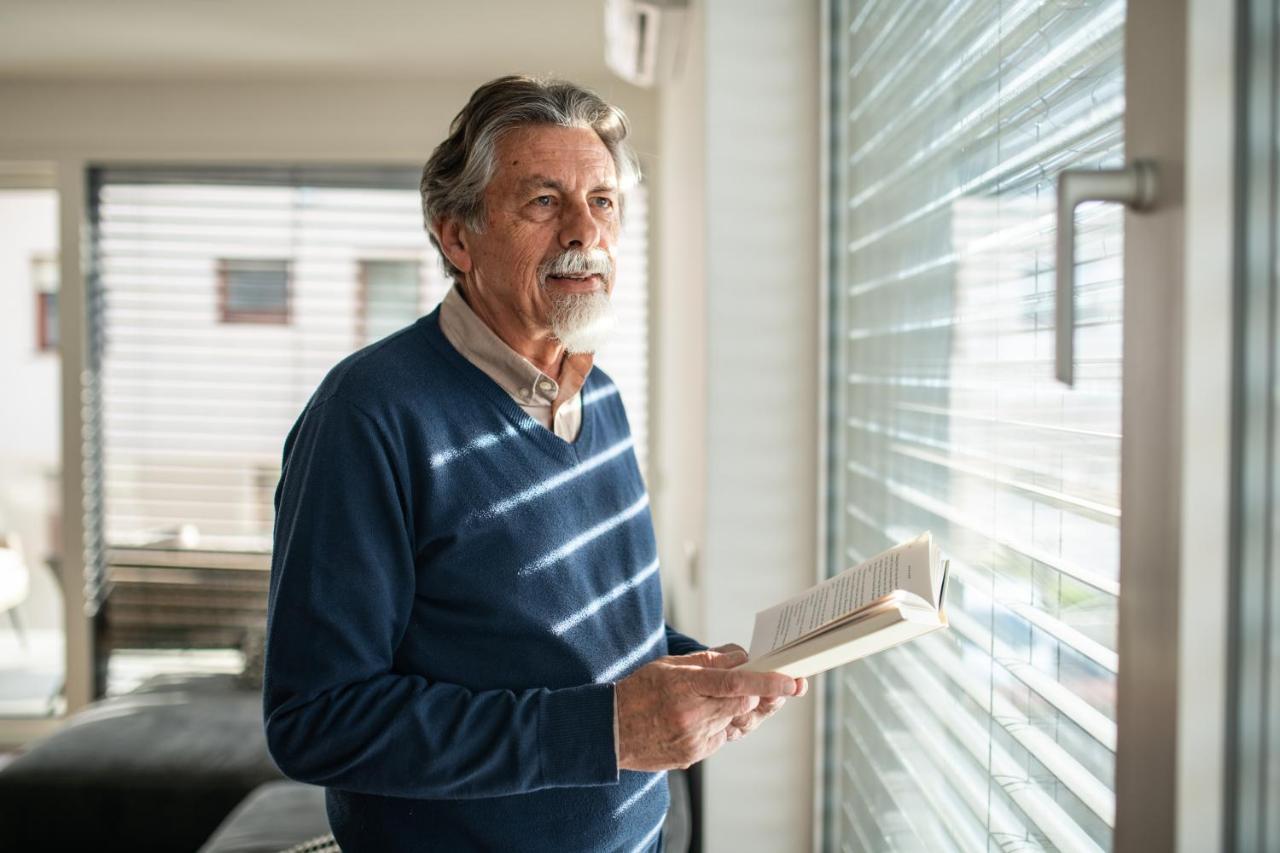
point(577, 742)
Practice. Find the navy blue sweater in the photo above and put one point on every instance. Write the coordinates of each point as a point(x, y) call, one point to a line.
point(454, 592)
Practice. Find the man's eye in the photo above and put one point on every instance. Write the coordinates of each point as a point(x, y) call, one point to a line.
point(603, 202)
point(543, 201)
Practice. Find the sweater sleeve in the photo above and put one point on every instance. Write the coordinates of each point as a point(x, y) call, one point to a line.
point(342, 582)
point(681, 644)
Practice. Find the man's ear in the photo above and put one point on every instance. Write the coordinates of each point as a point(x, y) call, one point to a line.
point(452, 236)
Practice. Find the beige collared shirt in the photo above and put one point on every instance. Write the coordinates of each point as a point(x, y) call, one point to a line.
point(555, 405)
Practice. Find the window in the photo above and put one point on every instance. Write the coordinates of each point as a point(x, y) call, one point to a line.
point(32, 635)
point(195, 403)
point(948, 124)
point(218, 300)
point(44, 277)
point(191, 402)
point(390, 292)
point(253, 290)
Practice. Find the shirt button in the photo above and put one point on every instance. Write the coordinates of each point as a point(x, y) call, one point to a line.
point(546, 387)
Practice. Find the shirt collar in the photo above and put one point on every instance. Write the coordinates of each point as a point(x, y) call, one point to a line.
point(514, 373)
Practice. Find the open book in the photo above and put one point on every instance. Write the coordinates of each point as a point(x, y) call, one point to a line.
point(893, 597)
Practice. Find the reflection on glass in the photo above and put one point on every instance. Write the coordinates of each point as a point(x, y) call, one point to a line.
point(950, 125)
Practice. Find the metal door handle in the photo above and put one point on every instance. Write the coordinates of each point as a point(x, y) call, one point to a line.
point(1134, 186)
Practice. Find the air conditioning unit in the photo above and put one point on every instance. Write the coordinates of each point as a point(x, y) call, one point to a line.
point(643, 39)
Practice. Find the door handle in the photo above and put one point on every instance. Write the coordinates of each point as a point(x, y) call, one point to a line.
point(1134, 186)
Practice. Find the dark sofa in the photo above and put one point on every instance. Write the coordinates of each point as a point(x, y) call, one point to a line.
point(179, 764)
point(155, 769)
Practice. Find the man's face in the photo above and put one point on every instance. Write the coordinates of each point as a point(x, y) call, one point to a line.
point(554, 189)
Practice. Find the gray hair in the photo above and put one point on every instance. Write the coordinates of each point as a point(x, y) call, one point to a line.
point(455, 177)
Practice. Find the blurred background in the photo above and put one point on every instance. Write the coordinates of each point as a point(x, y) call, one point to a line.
point(837, 291)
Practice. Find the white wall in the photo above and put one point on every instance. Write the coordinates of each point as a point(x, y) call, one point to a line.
point(740, 336)
point(678, 429)
point(394, 120)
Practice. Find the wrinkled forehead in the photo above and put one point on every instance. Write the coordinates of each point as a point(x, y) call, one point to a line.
point(565, 158)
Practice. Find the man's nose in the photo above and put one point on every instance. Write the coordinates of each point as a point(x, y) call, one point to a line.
point(579, 229)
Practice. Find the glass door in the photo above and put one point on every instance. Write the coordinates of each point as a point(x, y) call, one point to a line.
point(950, 124)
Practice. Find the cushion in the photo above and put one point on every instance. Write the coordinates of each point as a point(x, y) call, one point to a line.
point(157, 768)
point(276, 816)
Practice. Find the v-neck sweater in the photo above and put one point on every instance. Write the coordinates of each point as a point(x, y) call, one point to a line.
point(455, 591)
point(557, 405)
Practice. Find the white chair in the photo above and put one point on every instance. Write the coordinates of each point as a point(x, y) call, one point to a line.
point(15, 583)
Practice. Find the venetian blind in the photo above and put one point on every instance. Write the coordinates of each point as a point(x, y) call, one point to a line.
point(950, 121)
point(189, 402)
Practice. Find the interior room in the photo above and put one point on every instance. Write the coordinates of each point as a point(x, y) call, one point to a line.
point(945, 335)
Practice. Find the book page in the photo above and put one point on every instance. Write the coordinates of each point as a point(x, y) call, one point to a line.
point(904, 567)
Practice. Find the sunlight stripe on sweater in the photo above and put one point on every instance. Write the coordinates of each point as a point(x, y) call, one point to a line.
point(609, 597)
point(635, 798)
point(586, 466)
point(624, 663)
point(586, 536)
point(599, 394)
point(489, 439)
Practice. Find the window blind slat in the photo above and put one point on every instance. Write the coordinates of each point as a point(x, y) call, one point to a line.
point(1095, 723)
point(949, 122)
point(932, 765)
point(1013, 777)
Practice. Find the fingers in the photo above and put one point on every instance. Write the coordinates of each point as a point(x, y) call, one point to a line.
point(721, 657)
point(764, 709)
point(678, 709)
point(722, 712)
point(726, 683)
point(749, 721)
point(727, 657)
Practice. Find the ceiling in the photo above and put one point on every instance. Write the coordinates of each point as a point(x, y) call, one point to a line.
point(229, 39)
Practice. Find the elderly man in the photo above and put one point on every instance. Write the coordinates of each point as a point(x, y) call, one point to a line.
point(466, 642)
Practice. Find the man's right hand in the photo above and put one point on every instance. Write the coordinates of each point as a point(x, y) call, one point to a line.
point(674, 711)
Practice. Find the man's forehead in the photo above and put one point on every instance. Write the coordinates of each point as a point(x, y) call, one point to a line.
point(541, 155)
point(537, 180)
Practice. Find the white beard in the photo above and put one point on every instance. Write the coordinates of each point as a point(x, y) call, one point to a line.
point(582, 321)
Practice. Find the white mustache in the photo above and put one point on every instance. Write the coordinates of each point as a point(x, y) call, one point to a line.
point(576, 262)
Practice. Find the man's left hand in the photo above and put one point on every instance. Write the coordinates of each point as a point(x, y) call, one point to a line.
point(743, 724)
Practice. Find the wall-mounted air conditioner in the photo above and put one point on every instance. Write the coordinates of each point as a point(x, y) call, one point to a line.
point(643, 38)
